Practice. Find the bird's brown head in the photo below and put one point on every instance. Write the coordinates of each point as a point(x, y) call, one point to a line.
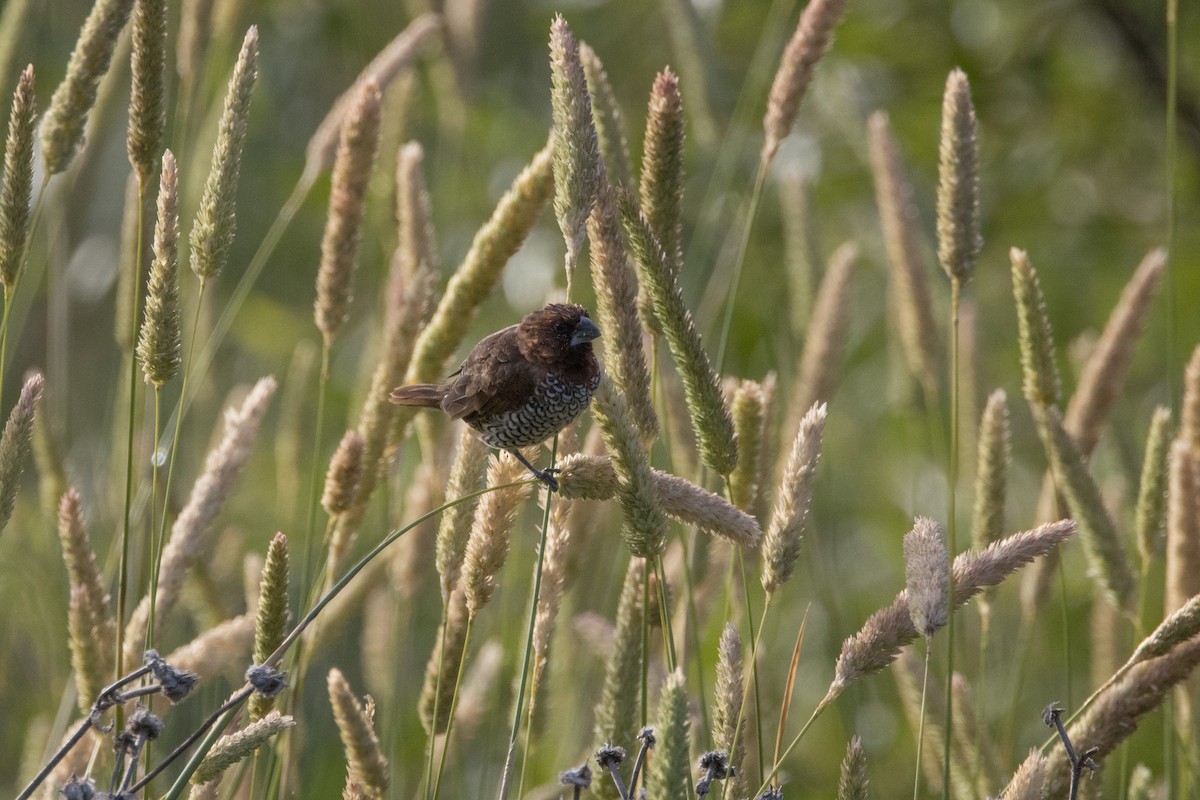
point(559, 335)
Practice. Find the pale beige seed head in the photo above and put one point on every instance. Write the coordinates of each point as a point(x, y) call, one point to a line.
point(467, 474)
point(728, 695)
point(147, 99)
point(356, 724)
point(705, 402)
point(18, 180)
point(908, 282)
point(748, 409)
point(235, 747)
point(1042, 386)
point(959, 240)
point(15, 444)
point(1151, 515)
point(608, 118)
point(825, 338)
point(1189, 415)
point(661, 186)
point(395, 58)
point(66, 118)
point(576, 149)
point(192, 533)
point(272, 614)
point(415, 239)
point(670, 771)
point(991, 473)
point(927, 569)
point(616, 309)
point(487, 547)
point(345, 472)
point(781, 545)
point(616, 718)
point(1103, 376)
point(221, 649)
point(91, 626)
point(1183, 527)
point(1029, 780)
point(441, 670)
point(160, 343)
point(473, 281)
point(645, 528)
point(1181, 625)
point(216, 220)
point(809, 43)
point(347, 201)
point(852, 784)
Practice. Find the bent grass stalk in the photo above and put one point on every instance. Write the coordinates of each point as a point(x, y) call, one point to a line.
point(224, 714)
point(462, 662)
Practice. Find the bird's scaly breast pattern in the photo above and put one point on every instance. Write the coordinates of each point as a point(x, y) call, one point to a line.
point(554, 404)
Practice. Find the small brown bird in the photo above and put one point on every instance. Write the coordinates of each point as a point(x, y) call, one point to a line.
point(521, 385)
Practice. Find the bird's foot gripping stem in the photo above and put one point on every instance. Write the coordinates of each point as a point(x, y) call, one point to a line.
point(546, 476)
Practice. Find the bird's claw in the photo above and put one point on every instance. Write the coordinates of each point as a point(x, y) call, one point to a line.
point(546, 476)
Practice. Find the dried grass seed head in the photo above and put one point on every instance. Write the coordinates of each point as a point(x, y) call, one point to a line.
point(670, 771)
point(160, 343)
point(781, 545)
point(748, 408)
point(1042, 385)
point(809, 43)
point(1029, 780)
point(66, 118)
point(352, 168)
point(1150, 517)
point(608, 119)
point(272, 614)
point(991, 474)
point(147, 100)
point(491, 531)
point(17, 187)
point(959, 240)
point(345, 472)
point(852, 784)
point(616, 717)
point(356, 724)
point(467, 474)
point(825, 338)
point(216, 220)
point(239, 745)
point(927, 569)
point(661, 186)
point(1183, 527)
point(15, 443)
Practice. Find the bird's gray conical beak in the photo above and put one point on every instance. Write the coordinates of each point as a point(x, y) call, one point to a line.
point(585, 331)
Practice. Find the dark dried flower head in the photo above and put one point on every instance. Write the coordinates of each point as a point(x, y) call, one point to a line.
point(79, 789)
point(266, 681)
point(580, 776)
point(144, 725)
point(609, 754)
point(176, 683)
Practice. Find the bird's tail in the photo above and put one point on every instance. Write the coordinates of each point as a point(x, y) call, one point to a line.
point(424, 395)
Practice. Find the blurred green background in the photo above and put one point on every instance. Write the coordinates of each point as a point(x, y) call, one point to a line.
point(1075, 160)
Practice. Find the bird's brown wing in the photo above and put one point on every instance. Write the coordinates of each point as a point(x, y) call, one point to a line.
point(494, 379)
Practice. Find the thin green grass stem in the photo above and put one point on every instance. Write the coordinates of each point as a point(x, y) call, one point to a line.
point(437, 694)
point(952, 542)
point(751, 678)
point(506, 778)
point(314, 483)
point(462, 663)
point(10, 291)
point(821, 706)
point(645, 690)
point(1171, 161)
point(753, 661)
point(731, 297)
point(273, 660)
point(921, 726)
point(154, 543)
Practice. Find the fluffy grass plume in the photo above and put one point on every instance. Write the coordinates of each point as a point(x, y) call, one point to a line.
point(908, 282)
point(234, 747)
point(748, 407)
point(90, 625)
point(891, 628)
point(1189, 414)
point(586, 477)
point(147, 98)
point(1116, 713)
point(454, 529)
point(661, 186)
point(781, 546)
point(216, 219)
point(15, 444)
point(991, 474)
point(670, 772)
point(1151, 514)
point(220, 649)
point(959, 240)
point(927, 569)
point(357, 146)
point(1104, 373)
point(1183, 527)
point(645, 528)
point(18, 180)
point(825, 338)
point(701, 385)
point(479, 272)
point(560, 541)
point(192, 533)
point(727, 705)
point(441, 671)
point(160, 343)
point(852, 785)
point(609, 120)
point(1101, 542)
point(272, 616)
point(1041, 383)
point(1029, 780)
point(396, 57)
point(809, 43)
point(576, 150)
point(345, 472)
point(487, 548)
point(356, 723)
point(66, 118)
point(616, 713)
point(616, 306)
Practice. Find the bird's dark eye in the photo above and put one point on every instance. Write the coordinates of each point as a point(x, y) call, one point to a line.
point(560, 327)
